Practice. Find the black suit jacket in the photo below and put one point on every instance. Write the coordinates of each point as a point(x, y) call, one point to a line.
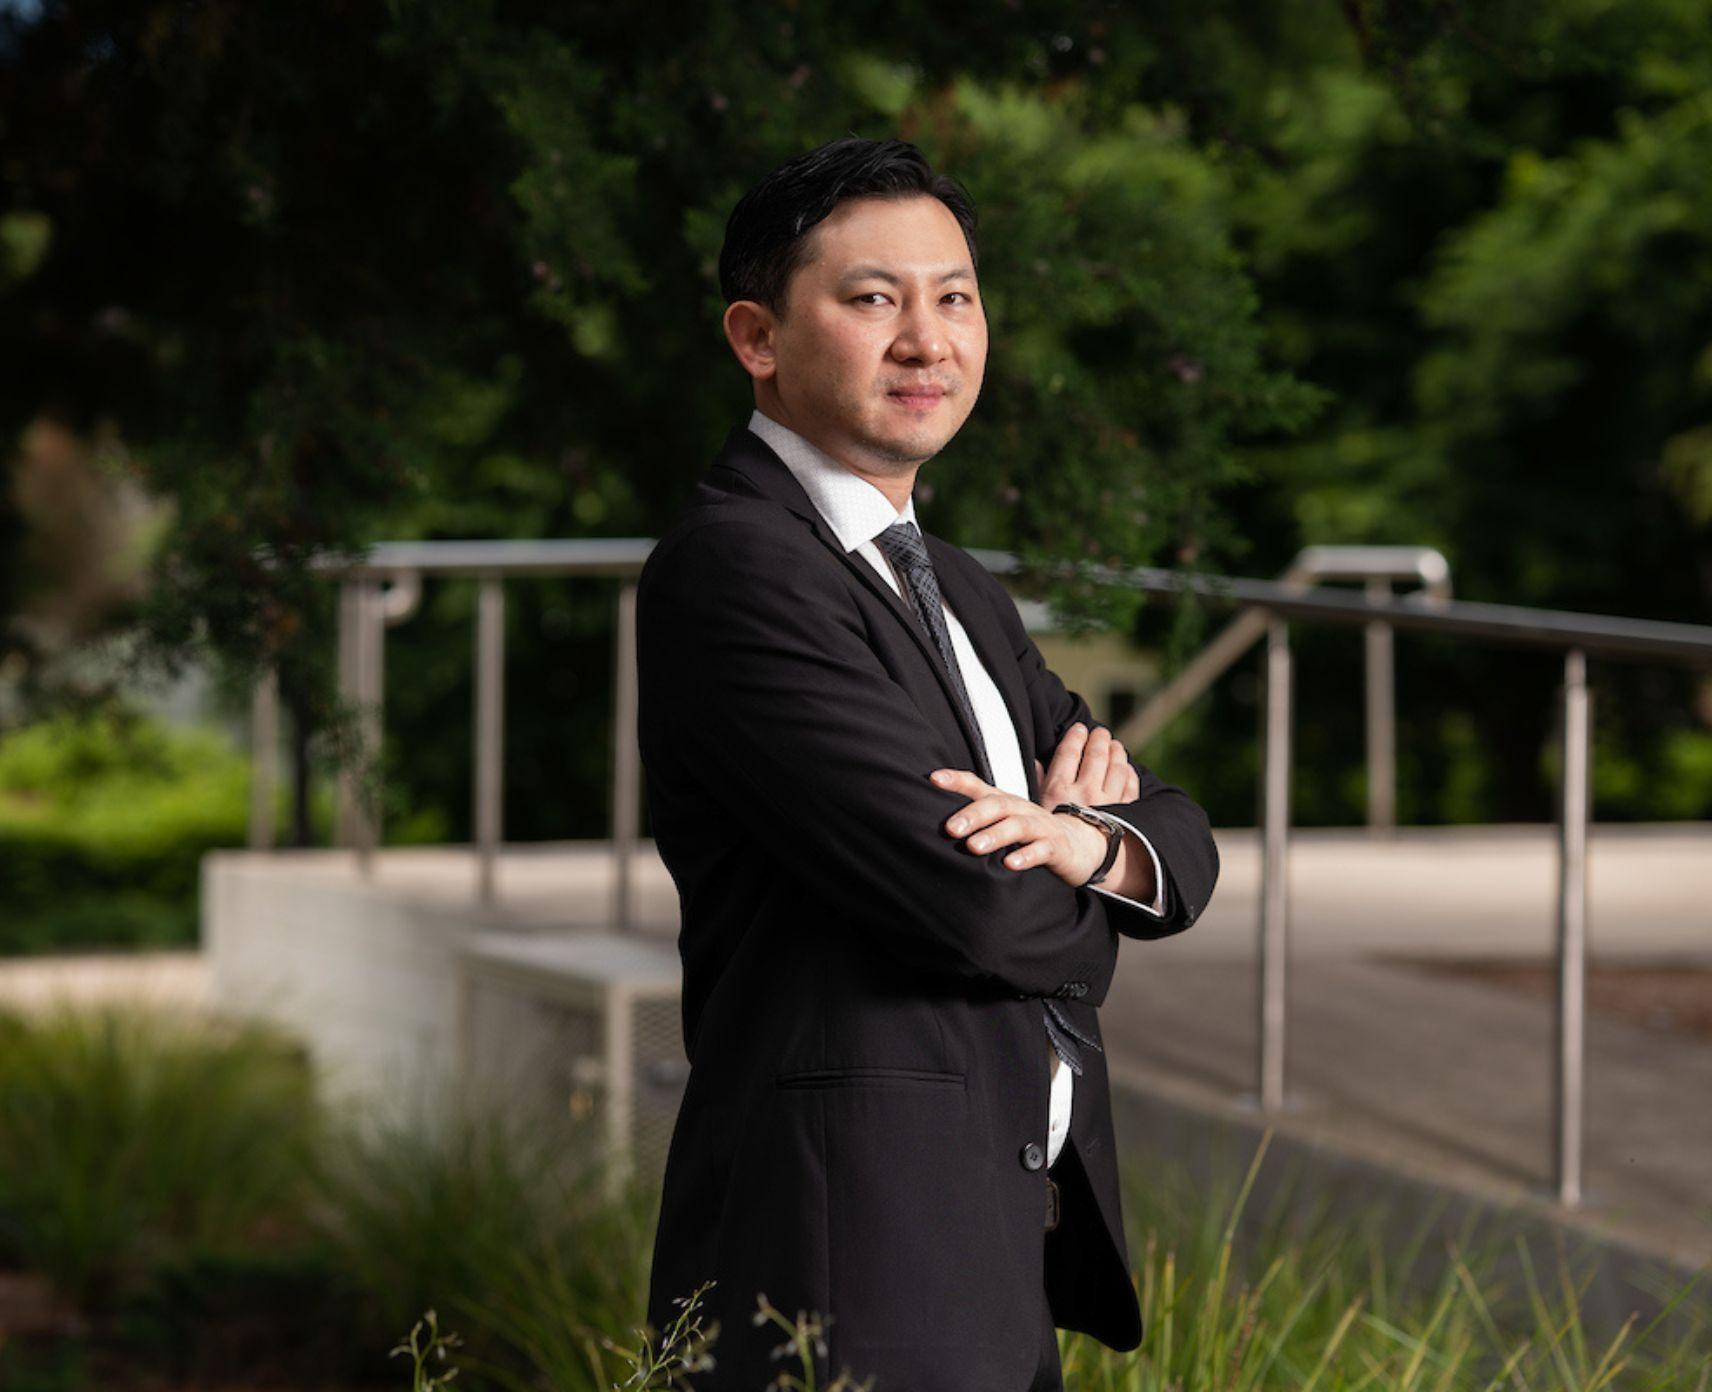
point(863, 1127)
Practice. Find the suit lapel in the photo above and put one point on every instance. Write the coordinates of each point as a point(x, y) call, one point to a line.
point(747, 455)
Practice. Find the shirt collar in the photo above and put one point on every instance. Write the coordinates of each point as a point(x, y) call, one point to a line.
point(854, 509)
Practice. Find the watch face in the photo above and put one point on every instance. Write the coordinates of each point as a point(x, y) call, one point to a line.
point(1110, 823)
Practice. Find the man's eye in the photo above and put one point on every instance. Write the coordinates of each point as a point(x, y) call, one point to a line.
point(871, 295)
point(958, 293)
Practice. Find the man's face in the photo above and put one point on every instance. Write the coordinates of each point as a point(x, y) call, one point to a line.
point(883, 349)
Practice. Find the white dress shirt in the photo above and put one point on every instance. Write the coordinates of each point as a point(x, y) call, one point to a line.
point(858, 512)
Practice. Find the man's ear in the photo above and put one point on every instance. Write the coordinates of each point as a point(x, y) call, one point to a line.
point(749, 329)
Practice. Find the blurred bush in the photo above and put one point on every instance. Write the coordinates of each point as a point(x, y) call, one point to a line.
point(105, 815)
point(103, 820)
point(130, 1137)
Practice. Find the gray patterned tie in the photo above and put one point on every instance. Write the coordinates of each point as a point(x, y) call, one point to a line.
point(902, 544)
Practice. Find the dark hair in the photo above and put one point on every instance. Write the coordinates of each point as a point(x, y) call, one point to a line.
point(766, 234)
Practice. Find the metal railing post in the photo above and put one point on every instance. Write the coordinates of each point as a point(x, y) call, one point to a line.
point(345, 815)
point(264, 758)
point(370, 694)
point(1274, 881)
point(366, 606)
point(490, 731)
point(625, 763)
point(1570, 1022)
point(1376, 565)
point(1381, 719)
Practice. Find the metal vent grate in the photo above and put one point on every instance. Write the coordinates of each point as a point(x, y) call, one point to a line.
point(579, 1026)
point(660, 1072)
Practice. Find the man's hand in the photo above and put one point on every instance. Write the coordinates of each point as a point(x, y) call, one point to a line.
point(993, 818)
point(1088, 768)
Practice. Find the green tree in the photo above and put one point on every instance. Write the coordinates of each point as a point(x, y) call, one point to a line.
point(1260, 276)
point(434, 274)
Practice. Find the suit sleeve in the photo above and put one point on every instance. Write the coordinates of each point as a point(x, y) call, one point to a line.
point(753, 652)
point(1172, 823)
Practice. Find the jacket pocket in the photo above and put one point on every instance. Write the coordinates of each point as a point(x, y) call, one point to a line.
point(870, 1077)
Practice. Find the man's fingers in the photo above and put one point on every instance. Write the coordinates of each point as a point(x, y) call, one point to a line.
point(1117, 773)
point(1035, 853)
point(1004, 831)
point(1052, 847)
point(1031, 837)
point(986, 806)
point(1094, 762)
point(1082, 763)
point(1067, 758)
point(1090, 765)
point(1098, 749)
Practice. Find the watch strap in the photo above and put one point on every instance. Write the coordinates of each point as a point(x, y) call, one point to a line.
point(1114, 836)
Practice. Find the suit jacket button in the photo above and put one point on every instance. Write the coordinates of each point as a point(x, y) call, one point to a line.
point(1033, 1157)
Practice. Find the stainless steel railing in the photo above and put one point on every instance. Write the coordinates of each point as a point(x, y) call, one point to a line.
point(383, 587)
point(1577, 636)
point(1377, 567)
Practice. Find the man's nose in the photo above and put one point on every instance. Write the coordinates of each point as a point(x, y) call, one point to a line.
point(921, 337)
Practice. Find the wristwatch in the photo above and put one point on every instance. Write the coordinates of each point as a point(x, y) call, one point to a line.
point(1107, 823)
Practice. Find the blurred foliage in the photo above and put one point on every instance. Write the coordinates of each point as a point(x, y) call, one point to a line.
point(103, 823)
point(104, 818)
point(114, 1120)
point(1260, 276)
point(1491, 238)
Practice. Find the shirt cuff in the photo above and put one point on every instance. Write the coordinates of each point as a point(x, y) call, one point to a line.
point(1157, 907)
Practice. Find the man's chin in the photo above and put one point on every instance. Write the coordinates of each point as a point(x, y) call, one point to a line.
point(909, 446)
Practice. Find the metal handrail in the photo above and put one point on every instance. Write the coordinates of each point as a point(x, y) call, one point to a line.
point(382, 586)
point(1376, 567)
point(1577, 635)
point(1605, 635)
point(387, 560)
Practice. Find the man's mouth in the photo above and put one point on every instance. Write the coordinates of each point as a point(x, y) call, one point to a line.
point(918, 398)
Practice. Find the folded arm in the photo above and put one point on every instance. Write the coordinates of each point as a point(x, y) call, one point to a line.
point(1172, 825)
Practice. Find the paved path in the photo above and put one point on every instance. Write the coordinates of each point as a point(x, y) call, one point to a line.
point(1446, 1079)
point(176, 978)
point(1443, 1079)
point(1468, 891)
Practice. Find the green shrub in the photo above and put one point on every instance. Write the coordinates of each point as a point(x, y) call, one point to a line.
point(130, 1136)
point(502, 1224)
point(103, 823)
point(105, 818)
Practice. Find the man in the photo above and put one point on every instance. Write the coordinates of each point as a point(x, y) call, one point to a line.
point(897, 1111)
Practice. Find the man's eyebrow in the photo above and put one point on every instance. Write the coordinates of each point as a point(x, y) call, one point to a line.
point(880, 273)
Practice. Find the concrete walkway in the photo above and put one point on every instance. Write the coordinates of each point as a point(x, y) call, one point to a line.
point(1468, 891)
point(1444, 1080)
point(1448, 1080)
point(169, 979)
